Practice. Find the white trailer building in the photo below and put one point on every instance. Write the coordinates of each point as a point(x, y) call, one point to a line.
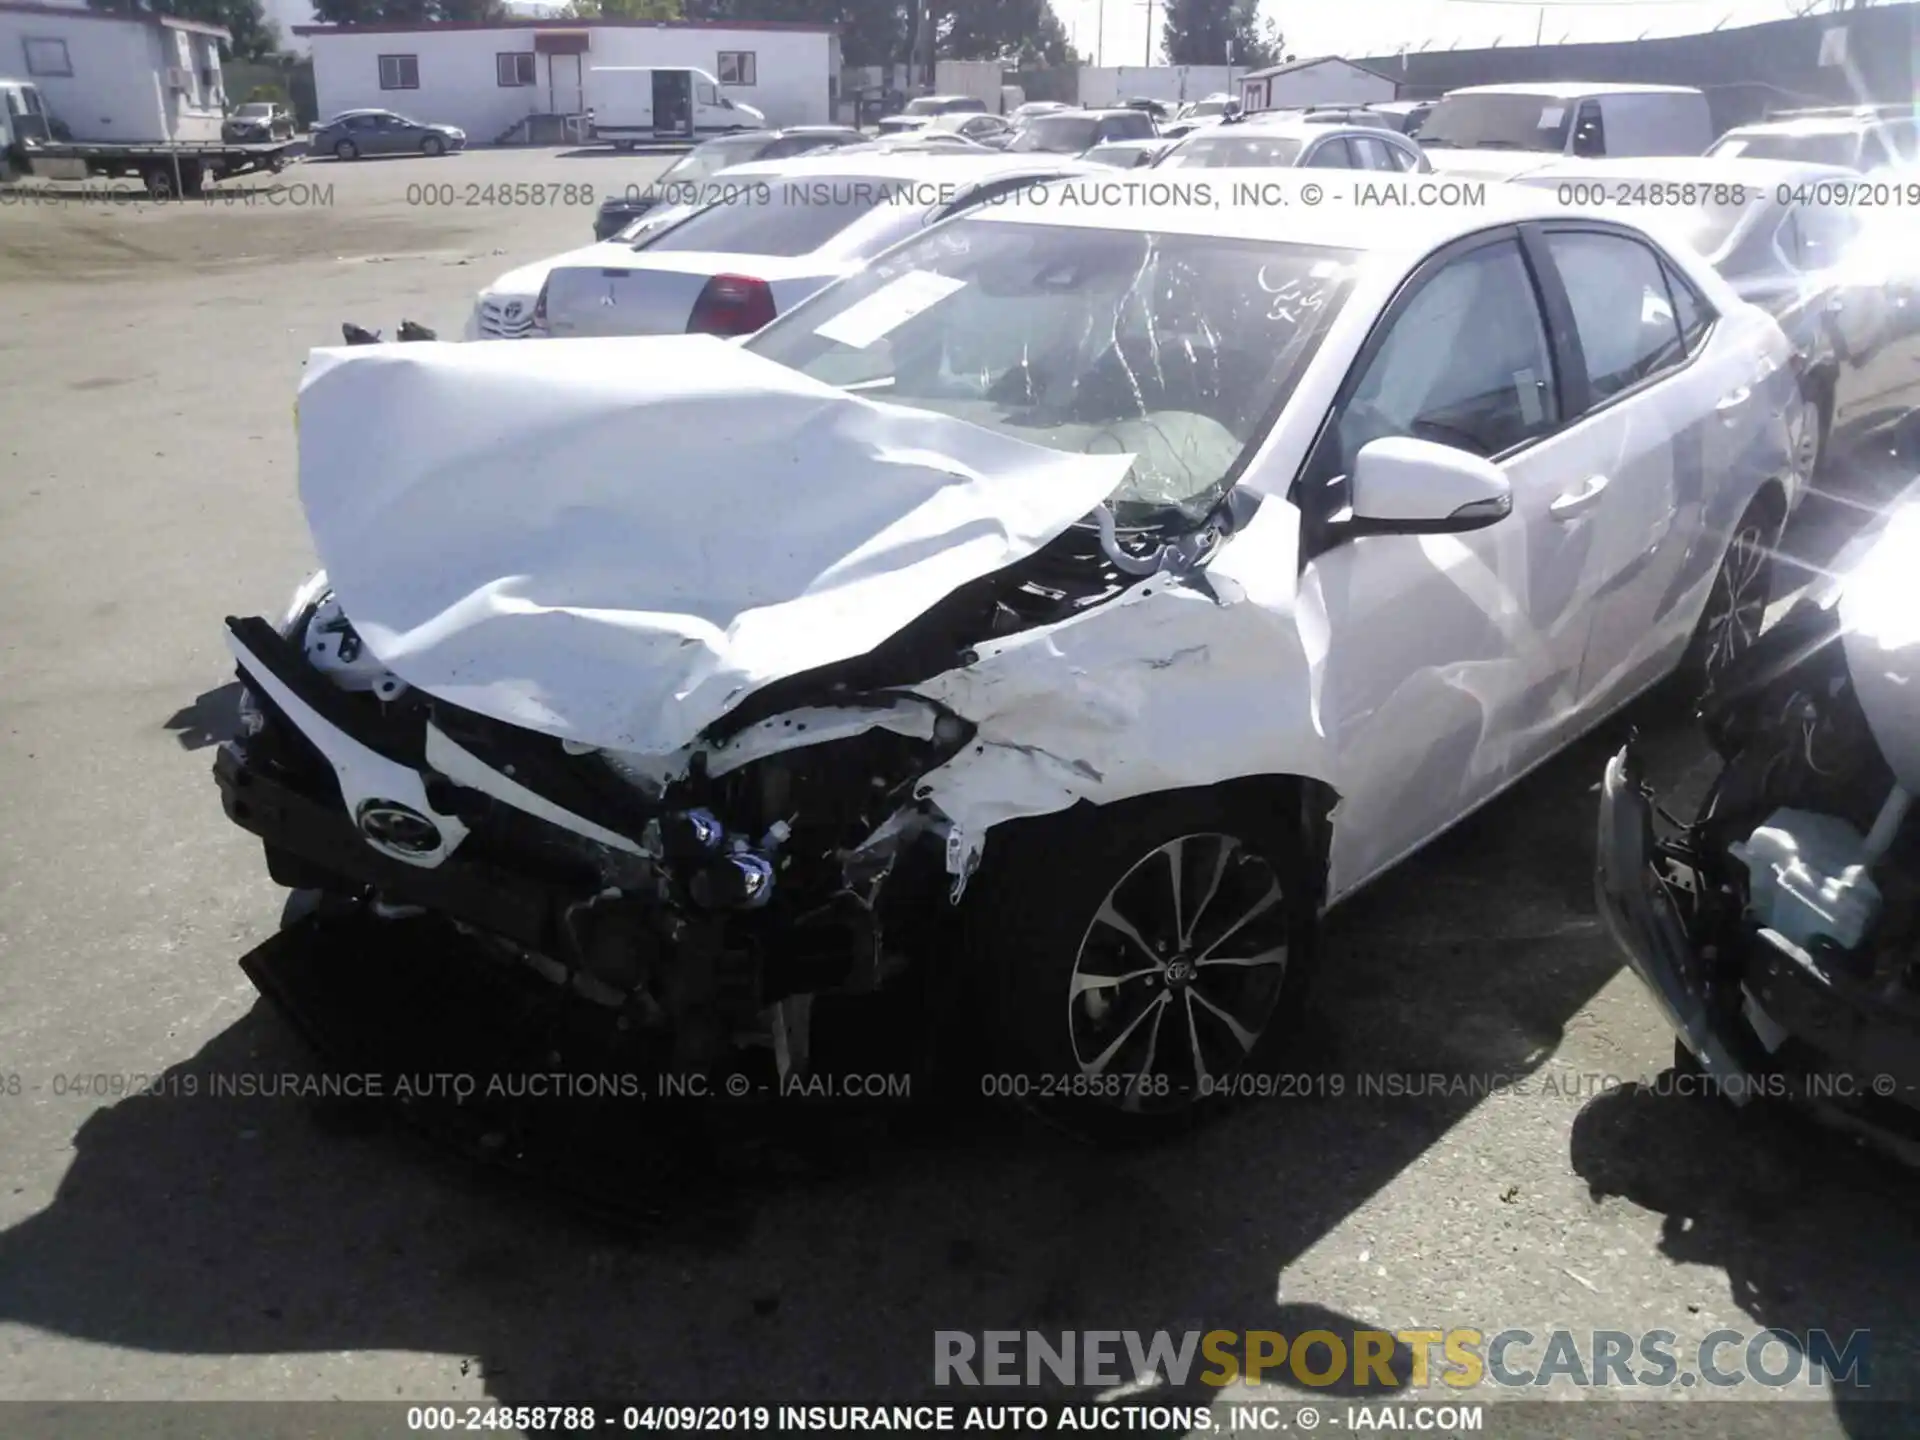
point(490, 78)
point(117, 77)
point(1326, 80)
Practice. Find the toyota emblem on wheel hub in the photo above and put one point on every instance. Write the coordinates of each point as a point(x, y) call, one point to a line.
point(397, 830)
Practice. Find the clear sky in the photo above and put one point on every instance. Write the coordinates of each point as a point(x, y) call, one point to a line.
point(1379, 27)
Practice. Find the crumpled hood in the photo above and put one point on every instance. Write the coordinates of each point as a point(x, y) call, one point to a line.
point(616, 541)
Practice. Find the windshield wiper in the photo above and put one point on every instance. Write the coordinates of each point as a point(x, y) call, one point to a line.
point(1492, 145)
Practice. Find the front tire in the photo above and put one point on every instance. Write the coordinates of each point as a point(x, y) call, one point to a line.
point(1142, 952)
point(433, 147)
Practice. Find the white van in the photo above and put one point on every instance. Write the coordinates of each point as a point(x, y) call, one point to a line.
point(1504, 129)
point(635, 103)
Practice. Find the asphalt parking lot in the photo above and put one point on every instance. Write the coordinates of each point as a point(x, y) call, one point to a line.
point(167, 1245)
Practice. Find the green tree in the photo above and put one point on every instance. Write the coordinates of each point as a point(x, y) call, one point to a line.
point(405, 12)
point(1017, 32)
point(1220, 32)
point(625, 10)
point(1256, 43)
point(254, 36)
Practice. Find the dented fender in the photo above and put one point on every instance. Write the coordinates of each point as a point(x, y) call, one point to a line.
point(1183, 681)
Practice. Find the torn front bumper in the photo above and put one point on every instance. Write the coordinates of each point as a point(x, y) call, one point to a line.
point(1640, 912)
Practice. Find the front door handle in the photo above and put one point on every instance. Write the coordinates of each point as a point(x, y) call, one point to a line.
point(1735, 399)
point(1578, 502)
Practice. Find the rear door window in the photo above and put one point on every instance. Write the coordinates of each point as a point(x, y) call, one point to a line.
point(1330, 155)
point(1623, 312)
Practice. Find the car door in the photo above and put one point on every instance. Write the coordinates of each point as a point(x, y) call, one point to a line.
point(1659, 419)
point(1450, 663)
point(392, 135)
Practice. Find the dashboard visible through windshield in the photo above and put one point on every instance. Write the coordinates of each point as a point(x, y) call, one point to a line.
point(1178, 349)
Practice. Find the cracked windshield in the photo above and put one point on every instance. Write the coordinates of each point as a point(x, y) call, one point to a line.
point(1178, 349)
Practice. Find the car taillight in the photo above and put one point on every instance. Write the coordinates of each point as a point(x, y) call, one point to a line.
point(731, 305)
point(540, 305)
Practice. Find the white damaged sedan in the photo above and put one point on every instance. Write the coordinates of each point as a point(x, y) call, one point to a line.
point(1078, 600)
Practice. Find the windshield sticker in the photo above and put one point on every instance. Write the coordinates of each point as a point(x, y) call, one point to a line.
point(1552, 116)
point(888, 308)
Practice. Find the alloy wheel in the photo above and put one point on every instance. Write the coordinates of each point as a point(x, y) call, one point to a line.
point(1740, 596)
point(1178, 973)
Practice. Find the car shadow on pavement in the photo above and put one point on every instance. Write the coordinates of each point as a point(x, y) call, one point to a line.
point(1813, 1230)
point(213, 716)
point(200, 1219)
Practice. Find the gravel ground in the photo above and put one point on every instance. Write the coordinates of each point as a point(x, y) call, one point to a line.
point(165, 1246)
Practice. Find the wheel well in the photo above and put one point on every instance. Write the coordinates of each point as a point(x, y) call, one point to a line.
point(1771, 498)
point(1299, 801)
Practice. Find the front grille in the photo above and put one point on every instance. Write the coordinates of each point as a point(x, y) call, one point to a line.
point(506, 319)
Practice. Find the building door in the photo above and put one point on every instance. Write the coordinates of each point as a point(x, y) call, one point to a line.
point(565, 93)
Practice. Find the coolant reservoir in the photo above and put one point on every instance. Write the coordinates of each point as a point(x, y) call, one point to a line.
point(1809, 879)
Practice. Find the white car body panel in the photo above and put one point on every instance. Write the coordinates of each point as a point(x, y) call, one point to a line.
point(653, 292)
point(482, 510)
point(544, 576)
point(630, 292)
point(504, 310)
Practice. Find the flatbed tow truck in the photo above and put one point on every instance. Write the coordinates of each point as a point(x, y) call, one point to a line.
point(32, 143)
point(167, 169)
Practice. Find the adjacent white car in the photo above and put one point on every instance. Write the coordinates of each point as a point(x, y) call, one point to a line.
point(780, 232)
point(1087, 592)
point(505, 309)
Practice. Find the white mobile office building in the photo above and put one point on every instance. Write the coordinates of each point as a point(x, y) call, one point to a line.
point(1325, 80)
point(488, 78)
point(117, 77)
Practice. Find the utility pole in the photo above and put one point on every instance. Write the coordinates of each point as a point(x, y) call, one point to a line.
point(1149, 60)
point(1540, 27)
point(1100, 36)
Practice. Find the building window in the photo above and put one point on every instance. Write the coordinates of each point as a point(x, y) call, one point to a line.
point(515, 68)
point(736, 68)
point(47, 57)
point(399, 72)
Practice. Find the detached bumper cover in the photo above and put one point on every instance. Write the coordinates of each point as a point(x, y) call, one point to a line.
point(1644, 923)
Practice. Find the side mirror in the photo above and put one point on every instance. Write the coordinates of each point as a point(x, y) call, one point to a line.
point(1403, 486)
point(725, 104)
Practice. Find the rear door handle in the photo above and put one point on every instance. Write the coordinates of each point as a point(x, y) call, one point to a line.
point(1578, 502)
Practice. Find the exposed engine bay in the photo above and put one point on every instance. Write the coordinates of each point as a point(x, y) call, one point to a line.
point(1780, 928)
point(700, 903)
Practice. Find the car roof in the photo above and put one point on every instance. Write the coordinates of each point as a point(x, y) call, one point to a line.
point(1209, 206)
point(1697, 169)
point(1572, 89)
point(1290, 126)
point(1808, 125)
point(898, 165)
